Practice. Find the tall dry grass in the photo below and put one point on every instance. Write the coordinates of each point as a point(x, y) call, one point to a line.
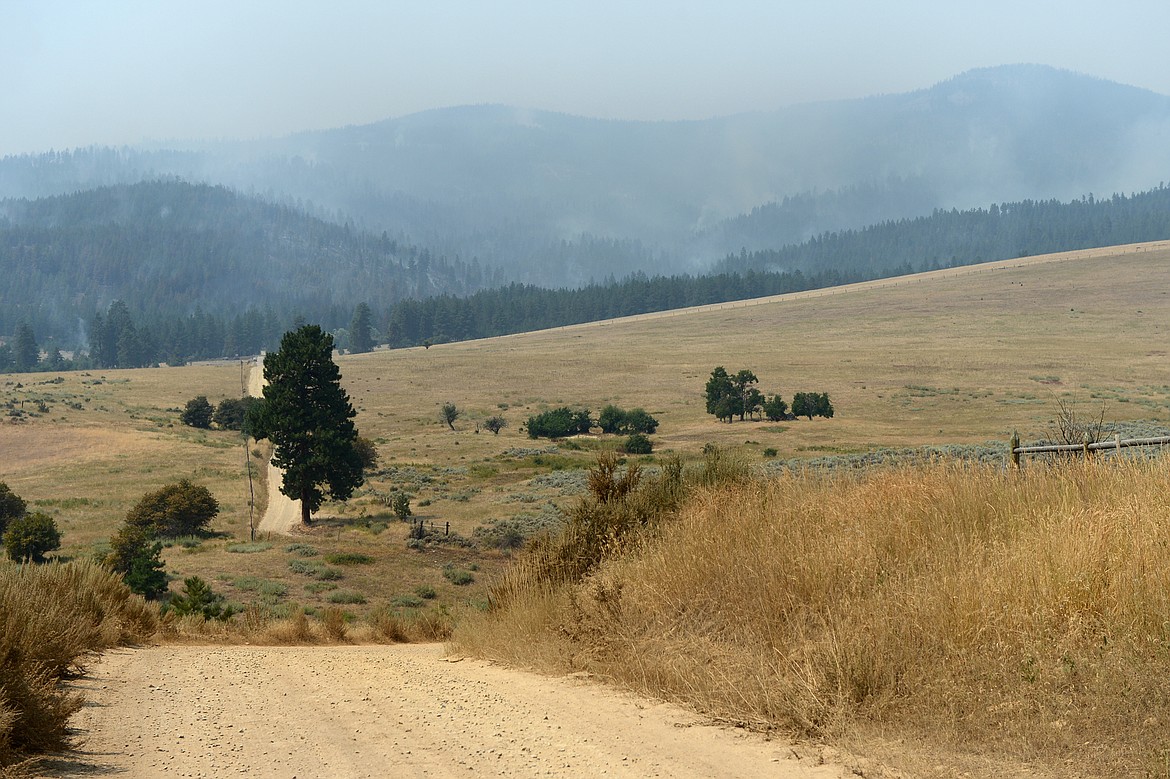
point(257, 625)
point(51, 617)
point(1025, 613)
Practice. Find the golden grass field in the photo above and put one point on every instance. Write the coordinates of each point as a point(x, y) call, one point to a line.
point(965, 356)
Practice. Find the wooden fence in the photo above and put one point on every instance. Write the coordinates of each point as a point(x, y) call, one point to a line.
point(1086, 448)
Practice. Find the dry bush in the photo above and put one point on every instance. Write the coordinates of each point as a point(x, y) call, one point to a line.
point(51, 616)
point(602, 524)
point(258, 625)
point(431, 625)
point(294, 630)
point(1017, 613)
point(388, 626)
point(333, 621)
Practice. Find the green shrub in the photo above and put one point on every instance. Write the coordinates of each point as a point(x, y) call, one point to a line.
point(261, 586)
point(249, 548)
point(406, 601)
point(316, 587)
point(457, 576)
point(302, 566)
point(637, 444)
point(558, 423)
point(11, 506)
point(199, 599)
point(425, 591)
point(614, 420)
point(400, 503)
point(315, 569)
point(197, 413)
point(232, 413)
point(30, 536)
point(180, 509)
point(349, 558)
point(347, 597)
point(138, 558)
point(367, 452)
point(304, 550)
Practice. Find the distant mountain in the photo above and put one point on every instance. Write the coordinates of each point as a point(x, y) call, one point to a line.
point(559, 199)
point(170, 249)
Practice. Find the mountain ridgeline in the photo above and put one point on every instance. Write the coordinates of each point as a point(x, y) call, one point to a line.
point(483, 220)
point(560, 200)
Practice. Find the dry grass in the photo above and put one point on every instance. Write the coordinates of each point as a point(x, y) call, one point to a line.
point(51, 617)
point(1020, 614)
point(947, 359)
point(259, 627)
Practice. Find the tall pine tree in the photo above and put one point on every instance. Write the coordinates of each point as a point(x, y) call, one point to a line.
point(361, 338)
point(308, 417)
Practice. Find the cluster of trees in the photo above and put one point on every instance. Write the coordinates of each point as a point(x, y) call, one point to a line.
point(617, 421)
point(180, 509)
point(731, 395)
point(229, 414)
point(23, 354)
point(118, 338)
point(187, 304)
point(892, 248)
point(563, 422)
point(519, 308)
point(812, 404)
point(559, 423)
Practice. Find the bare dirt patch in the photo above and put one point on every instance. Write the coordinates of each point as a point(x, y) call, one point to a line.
point(282, 513)
point(374, 711)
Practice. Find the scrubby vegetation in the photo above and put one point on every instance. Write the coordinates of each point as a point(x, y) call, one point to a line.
point(50, 617)
point(1017, 613)
point(30, 537)
point(558, 423)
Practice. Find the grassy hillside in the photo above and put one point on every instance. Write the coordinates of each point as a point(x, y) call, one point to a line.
point(957, 357)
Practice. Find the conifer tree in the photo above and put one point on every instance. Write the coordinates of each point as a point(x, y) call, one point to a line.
point(361, 337)
point(308, 417)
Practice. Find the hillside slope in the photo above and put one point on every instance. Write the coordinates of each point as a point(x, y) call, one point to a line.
point(169, 248)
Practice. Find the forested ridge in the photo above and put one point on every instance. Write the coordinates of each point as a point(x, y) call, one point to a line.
point(186, 257)
point(168, 271)
point(955, 237)
point(943, 239)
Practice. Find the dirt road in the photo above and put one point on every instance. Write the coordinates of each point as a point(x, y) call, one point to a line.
point(282, 513)
point(388, 711)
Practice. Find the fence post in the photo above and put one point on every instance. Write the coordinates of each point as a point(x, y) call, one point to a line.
point(1014, 444)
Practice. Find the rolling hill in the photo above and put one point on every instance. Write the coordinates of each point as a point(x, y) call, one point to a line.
point(534, 193)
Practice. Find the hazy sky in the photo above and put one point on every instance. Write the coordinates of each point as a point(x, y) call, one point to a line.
point(80, 72)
